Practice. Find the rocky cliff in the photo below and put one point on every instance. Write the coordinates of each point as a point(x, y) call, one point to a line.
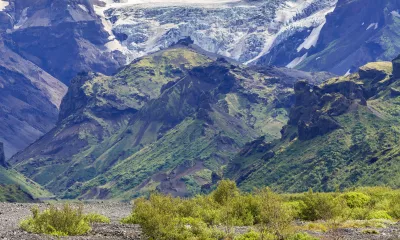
point(61, 37)
point(29, 101)
point(342, 133)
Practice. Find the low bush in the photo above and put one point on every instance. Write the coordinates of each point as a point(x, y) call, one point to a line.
point(96, 218)
point(165, 217)
point(379, 214)
point(301, 236)
point(322, 206)
point(64, 221)
point(270, 215)
point(356, 199)
point(251, 235)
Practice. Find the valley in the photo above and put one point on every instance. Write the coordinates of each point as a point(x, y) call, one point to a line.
point(189, 119)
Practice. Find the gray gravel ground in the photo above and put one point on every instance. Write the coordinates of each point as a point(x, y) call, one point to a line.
point(12, 213)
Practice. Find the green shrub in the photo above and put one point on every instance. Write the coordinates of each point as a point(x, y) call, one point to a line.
point(251, 235)
point(379, 214)
point(276, 218)
point(65, 221)
point(356, 199)
point(359, 213)
point(394, 207)
point(214, 216)
point(225, 191)
point(166, 218)
point(301, 236)
point(96, 218)
point(316, 226)
point(370, 231)
point(296, 208)
point(322, 206)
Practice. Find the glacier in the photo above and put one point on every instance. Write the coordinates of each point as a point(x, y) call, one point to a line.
point(243, 30)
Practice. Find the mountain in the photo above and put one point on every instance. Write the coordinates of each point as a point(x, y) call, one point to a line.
point(355, 33)
point(342, 133)
point(241, 30)
point(43, 44)
point(63, 37)
point(29, 101)
point(14, 187)
point(167, 121)
point(314, 35)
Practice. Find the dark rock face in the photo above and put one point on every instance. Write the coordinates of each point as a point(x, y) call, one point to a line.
point(2, 156)
point(44, 43)
point(62, 37)
point(315, 107)
point(75, 99)
point(29, 101)
point(396, 67)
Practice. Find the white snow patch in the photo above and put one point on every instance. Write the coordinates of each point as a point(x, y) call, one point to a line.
point(373, 25)
point(83, 7)
point(3, 4)
point(284, 22)
point(113, 43)
point(348, 72)
point(312, 39)
point(395, 14)
point(296, 61)
point(22, 19)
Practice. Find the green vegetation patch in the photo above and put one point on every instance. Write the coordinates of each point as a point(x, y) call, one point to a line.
point(64, 221)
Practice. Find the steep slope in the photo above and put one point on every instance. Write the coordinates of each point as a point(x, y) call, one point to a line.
point(62, 37)
point(355, 33)
point(342, 133)
point(16, 188)
point(166, 121)
point(29, 101)
point(43, 42)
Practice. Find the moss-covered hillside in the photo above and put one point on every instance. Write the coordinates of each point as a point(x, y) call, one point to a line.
point(14, 187)
point(342, 133)
point(168, 121)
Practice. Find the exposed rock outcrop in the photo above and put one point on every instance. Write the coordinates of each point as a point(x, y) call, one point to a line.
point(315, 106)
point(2, 156)
point(63, 37)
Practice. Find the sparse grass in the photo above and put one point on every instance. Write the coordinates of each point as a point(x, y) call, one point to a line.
point(370, 231)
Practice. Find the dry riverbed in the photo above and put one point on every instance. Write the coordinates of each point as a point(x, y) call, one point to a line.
point(12, 213)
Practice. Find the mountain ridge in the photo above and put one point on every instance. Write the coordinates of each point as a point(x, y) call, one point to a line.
point(148, 109)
